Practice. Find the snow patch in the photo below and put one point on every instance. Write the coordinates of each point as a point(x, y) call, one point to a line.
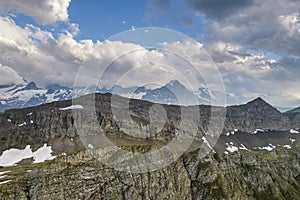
point(23, 124)
point(258, 130)
point(72, 107)
point(207, 143)
point(12, 156)
point(268, 148)
point(3, 182)
point(232, 132)
point(292, 140)
point(1, 173)
point(43, 154)
point(231, 148)
point(293, 131)
point(242, 147)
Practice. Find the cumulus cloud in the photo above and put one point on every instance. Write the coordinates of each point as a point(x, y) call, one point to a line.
point(35, 53)
point(9, 76)
point(247, 76)
point(264, 26)
point(43, 11)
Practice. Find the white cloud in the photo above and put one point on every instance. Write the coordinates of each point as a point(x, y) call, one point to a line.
point(9, 76)
point(264, 26)
point(36, 53)
point(43, 11)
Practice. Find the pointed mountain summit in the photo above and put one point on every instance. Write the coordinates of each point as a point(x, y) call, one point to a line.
point(173, 92)
point(258, 101)
point(257, 114)
point(260, 104)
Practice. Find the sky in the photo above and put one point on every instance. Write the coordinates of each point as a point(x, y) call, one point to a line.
point(255, 44)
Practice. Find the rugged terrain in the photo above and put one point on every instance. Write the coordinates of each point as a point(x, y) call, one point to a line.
point(255, 157)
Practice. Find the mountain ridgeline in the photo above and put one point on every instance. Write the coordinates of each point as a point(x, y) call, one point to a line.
point(51, 124)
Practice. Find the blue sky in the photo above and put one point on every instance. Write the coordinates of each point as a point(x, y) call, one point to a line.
point(99, 20)
point(109, 17)
point(254, 44)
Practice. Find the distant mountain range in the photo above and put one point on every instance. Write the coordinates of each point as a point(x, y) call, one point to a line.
point(20, 93)
point(27, 94)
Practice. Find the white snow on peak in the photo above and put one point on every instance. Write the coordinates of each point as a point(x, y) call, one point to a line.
point(293, 131)
point(72, 107)
point(12, 156)
point(134, 95)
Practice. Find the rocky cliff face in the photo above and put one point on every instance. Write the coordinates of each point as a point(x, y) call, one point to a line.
point(246, 175)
